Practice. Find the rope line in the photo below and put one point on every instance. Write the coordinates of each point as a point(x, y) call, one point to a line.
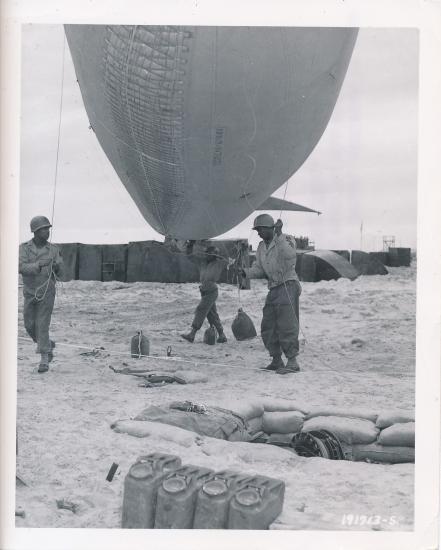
point(178, 359)
point(51, 271)
point(59, 130)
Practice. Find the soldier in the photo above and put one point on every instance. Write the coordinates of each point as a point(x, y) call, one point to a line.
point(39, 263)
point(211, 265)
point(275, 261)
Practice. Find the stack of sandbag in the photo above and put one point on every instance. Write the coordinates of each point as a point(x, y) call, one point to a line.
point(396, 440)
point(282, 419)
point(250, 410)
point(351, 426)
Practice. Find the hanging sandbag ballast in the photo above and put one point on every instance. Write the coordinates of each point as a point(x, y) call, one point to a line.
point(242, 326)
point(139, 345)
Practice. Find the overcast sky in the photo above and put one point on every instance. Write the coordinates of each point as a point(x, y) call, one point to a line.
point(363, 170)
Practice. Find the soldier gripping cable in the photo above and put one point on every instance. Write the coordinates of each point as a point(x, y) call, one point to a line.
point(275, 261)
point(211, 265)
point(39, 263)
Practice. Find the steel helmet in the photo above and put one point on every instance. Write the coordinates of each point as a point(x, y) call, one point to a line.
point(263, 220)
point(38, 222)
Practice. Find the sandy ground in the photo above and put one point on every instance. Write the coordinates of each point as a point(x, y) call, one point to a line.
point(66, 445)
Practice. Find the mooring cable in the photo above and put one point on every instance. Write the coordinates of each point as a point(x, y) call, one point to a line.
point(100, 349)
point(51, 271)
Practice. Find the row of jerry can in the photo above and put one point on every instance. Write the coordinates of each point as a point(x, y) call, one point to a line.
point(161, 493)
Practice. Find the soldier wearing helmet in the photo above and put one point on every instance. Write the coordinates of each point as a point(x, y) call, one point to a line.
point(211, 265)
point(275, 261)
point(39, 263)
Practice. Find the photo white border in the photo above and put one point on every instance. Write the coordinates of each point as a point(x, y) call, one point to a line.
point(426, 16)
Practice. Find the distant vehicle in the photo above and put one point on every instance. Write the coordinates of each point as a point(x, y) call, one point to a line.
point(203, 124)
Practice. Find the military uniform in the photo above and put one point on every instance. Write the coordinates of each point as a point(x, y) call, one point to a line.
point(280, 323)
point(209, 274)
point(39, 290)
point(211, 267)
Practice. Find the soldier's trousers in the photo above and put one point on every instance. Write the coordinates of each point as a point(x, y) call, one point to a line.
point(37, 317)
point(280, 322)
point(207, 309)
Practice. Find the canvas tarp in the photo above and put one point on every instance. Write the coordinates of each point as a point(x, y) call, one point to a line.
point(114, 264)
point(90, 262)
point(367, 264)
point(151, 261)
point(345, 253)
point(306, 267)
point(381, 256)
point(155, 262)
point(330, 265)
point(69, 252)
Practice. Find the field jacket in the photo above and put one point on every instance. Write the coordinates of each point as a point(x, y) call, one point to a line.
point(276, 262)
point(33, 275)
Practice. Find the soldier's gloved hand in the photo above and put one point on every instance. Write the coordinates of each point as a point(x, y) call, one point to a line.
point(278, 227)
point(44, 262)
point(56, 267)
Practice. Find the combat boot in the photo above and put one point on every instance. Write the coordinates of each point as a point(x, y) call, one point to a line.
point(291, 367)
point(221, 339)
point(44, 363)
point(275, 364)
point(190, 336)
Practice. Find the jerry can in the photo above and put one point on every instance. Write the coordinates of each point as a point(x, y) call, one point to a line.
point(242, 326)
point(213, 500)
point(175, 504)
point(141, 486)
point(210, 336)
point(257, 504)
point(139, 345)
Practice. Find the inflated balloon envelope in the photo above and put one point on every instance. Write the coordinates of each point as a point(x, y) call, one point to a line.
point(203, 124)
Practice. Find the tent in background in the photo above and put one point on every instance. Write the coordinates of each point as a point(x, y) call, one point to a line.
point(367, 264)
point(325, 265)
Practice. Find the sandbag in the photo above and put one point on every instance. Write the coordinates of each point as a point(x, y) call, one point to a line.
point(385, 454)
point(347, 413)
point(275, 404)
point(255, 424)
point(282, 422)
point(387, 418)
point(348, 430)
point(242, 326)
point(139, 428)
point(213, 422)
point(402, 435)
point(210, 336)
point(244, 408)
